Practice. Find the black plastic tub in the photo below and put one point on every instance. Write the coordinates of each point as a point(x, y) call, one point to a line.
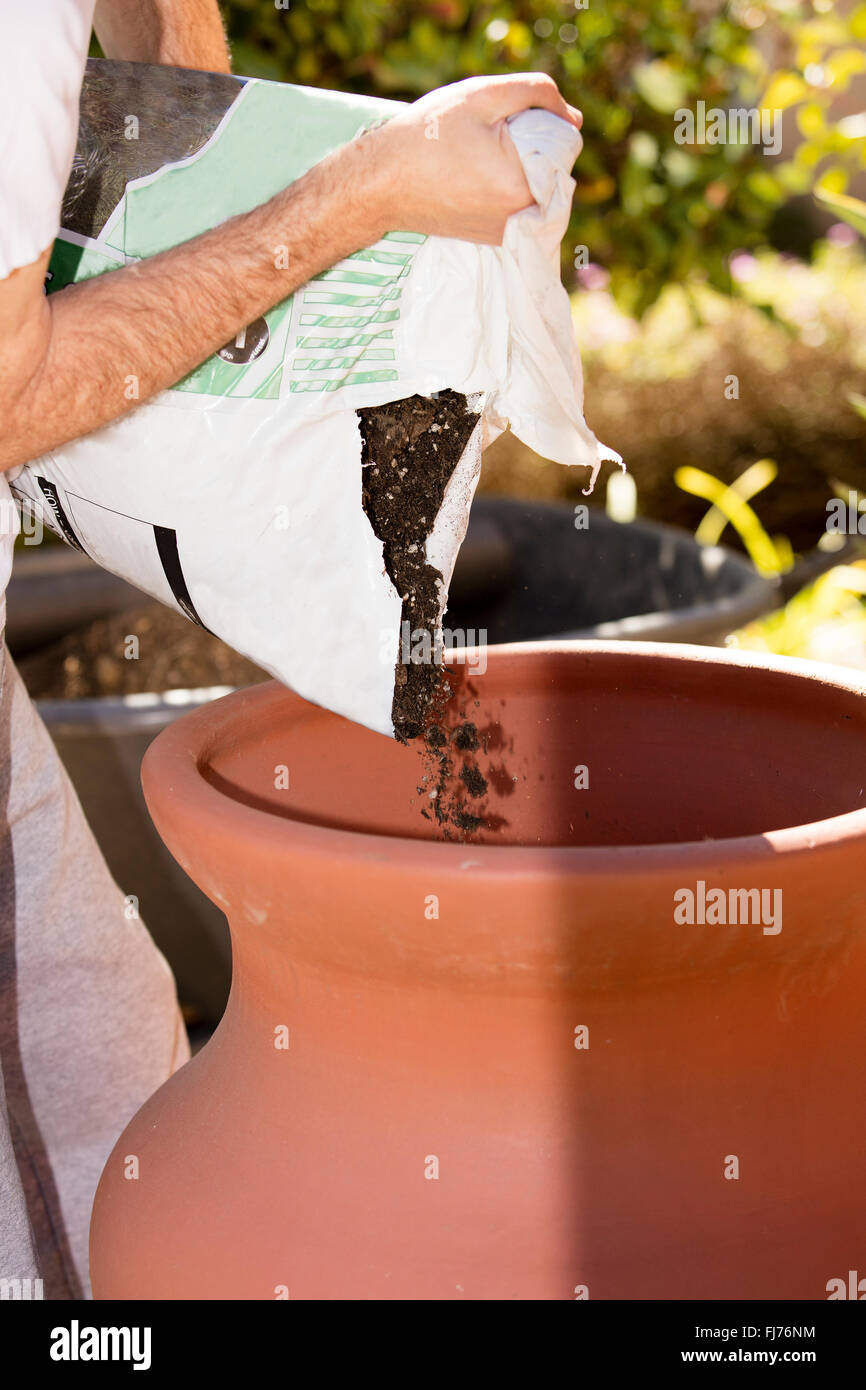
point(527, 572)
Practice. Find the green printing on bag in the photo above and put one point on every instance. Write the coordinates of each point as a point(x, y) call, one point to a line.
point(245, 163)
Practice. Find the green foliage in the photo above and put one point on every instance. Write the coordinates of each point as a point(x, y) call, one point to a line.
point(659, 391)
point(647, 208)
point(824, 622)
point(850, 210)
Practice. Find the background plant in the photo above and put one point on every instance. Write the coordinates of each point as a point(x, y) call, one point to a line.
point(648, 209)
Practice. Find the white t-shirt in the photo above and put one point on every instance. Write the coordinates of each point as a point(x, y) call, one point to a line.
point(43, 45)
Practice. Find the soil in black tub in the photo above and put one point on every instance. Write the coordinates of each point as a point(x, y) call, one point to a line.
point(173, 654)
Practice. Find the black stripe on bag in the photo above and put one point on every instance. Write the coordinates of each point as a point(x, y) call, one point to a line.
point(166, 545)
point(63, 522)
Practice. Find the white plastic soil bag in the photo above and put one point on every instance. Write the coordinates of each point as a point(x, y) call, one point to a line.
point(236, 495)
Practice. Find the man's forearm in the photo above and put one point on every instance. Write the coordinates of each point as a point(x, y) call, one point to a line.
point(104, 346)
point(182, 33)
point(90, 352)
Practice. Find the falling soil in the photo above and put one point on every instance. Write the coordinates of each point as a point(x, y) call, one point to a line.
point(476, 784)
point(169, 653)
point(453, 785)
point(409, 452)
point(466, 738)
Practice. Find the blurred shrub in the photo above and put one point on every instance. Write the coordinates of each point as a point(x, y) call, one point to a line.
point(647, 208)
point(824, 622)
point(662, 392)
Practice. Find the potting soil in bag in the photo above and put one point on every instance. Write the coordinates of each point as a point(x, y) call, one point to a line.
point(303, 493)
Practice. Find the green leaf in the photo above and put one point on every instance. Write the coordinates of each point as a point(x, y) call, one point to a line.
point(850, 210)
point(661, 86)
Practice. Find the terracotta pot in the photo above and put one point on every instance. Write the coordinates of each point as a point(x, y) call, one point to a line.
point(436, 1127)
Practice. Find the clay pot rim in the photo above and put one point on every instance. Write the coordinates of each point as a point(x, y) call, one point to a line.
point(172, 774)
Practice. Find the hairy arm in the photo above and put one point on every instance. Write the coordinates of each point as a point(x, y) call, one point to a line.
point(73, 361)
point(181, 33)
point(94, 350)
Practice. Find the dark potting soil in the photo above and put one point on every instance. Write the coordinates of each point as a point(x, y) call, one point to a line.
point(466, 737)
point(471, 774)
point(409, 452)
point(453, 785)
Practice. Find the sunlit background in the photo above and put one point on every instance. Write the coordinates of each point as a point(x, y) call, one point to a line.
point(688, 264)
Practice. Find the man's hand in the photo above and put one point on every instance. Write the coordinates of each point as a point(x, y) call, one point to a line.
point(447, 165)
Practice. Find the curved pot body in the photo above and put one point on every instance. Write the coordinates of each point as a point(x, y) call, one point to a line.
point(513, 1068)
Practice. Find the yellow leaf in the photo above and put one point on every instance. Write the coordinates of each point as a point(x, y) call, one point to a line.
point(784, 90)
point(845, 64)
point(784, 553)
point(811, 118)
point(833, 181)
point(807, 156)
point(762, 550)
point(753, 481)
